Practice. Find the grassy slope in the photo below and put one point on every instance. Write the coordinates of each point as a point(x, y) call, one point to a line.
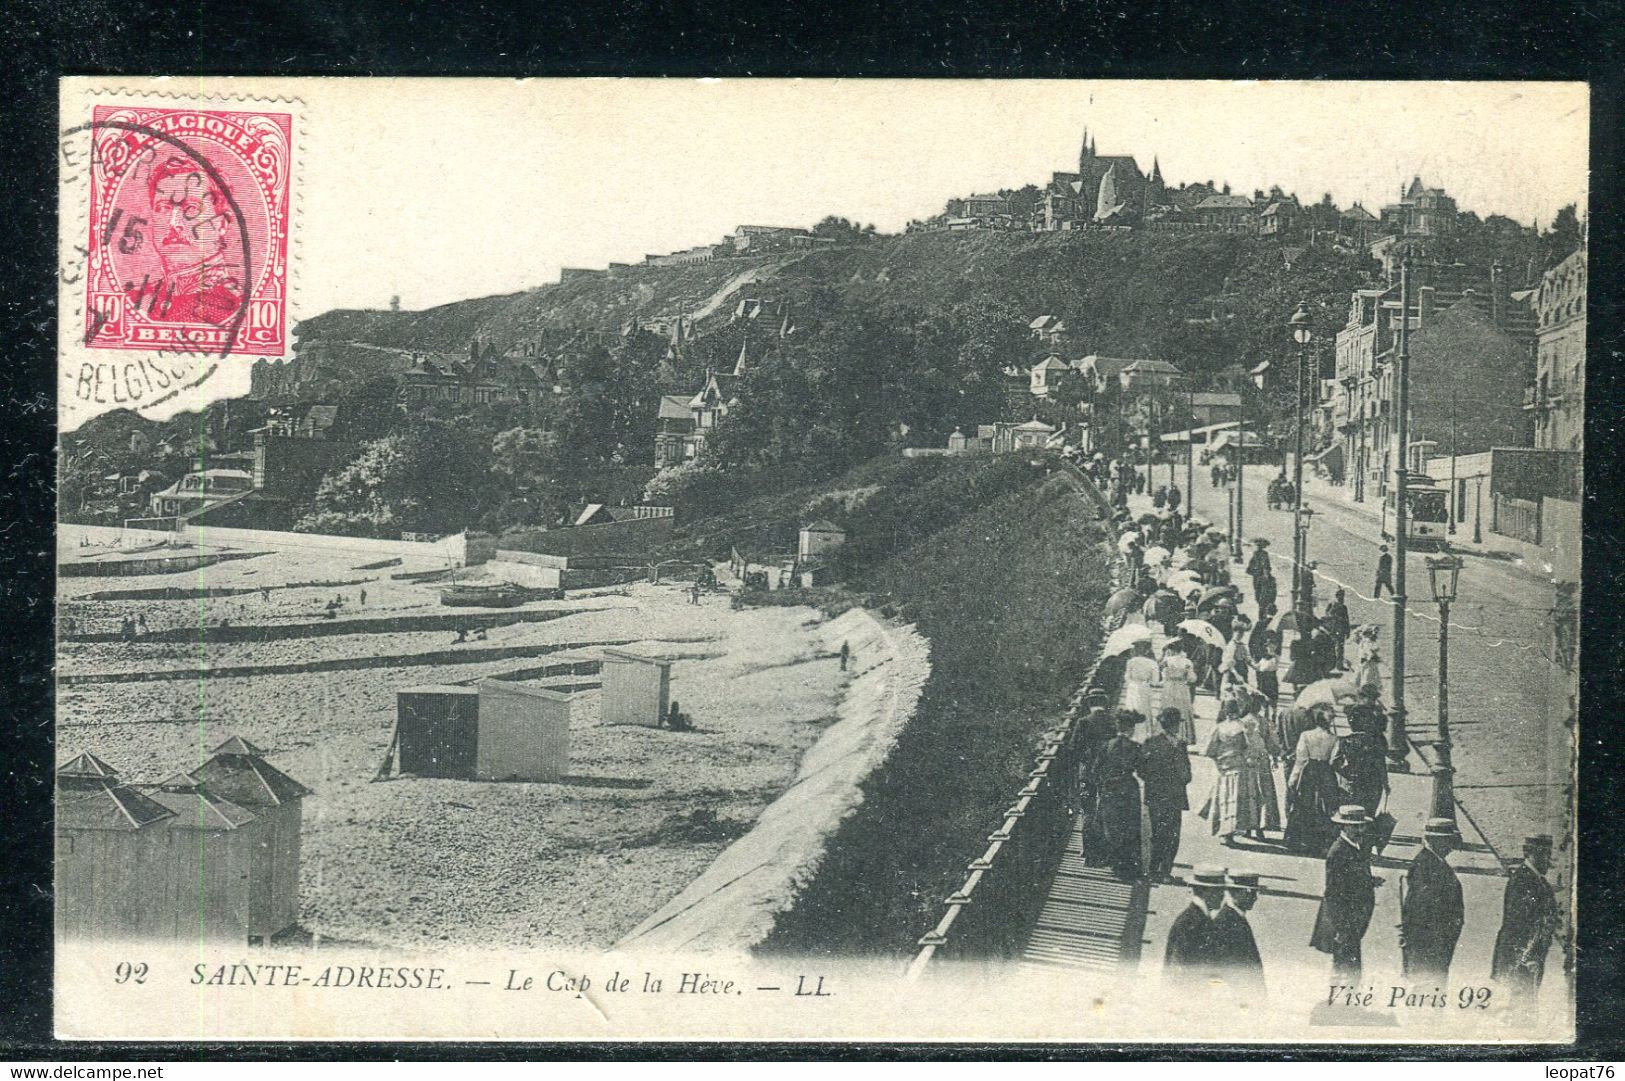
point(1009, 596)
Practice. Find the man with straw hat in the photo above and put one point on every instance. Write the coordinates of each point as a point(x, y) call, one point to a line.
point(1430, 905)
point(1350, 895)
point(1529, 920)
point(1233, 935)
point(1192, 942)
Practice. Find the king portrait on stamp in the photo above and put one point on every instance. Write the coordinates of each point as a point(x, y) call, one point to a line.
point(189, 230)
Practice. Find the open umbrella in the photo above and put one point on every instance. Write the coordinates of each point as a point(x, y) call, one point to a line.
point(1326, 692)
point(1203, 631)
point(1155, 555)
point(1127, 541)
point(1286, 621)
point(1212, 596)
point(1181, 579)
point(1124, 639)
point(1123, 600)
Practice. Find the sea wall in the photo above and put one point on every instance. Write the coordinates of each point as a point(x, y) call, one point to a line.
point(733, 904)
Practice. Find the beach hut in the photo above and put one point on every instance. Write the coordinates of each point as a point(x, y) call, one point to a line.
point(636, 689)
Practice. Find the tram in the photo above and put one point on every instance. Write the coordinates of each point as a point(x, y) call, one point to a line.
point(1426, 516)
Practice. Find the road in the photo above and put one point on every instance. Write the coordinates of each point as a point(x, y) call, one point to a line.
point(1504, 692)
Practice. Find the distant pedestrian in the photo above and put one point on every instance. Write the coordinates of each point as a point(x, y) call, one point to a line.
point(1178, 683)
point(1368, 674)
point(1263, 751)
point(846, 655)
point(1193, 953)
point(1159, 498)
point(265, 594)
point(1313, 794)
point(126, 629)
point(1349, 896)
point(1236, 948)
point(1385, 573)
point(1139, 677)
point(1117, 799)
point(694, 593)
point(363, 594)
point(1430, 906)
point(1337, 626)
point(1529, 922)
point(1166, 776)
point(1258, 566)
point(462, 631)
point(1174, 496)
point(1362, 760)
point(1232, 804)
point(1264, 593)
point(141, 625)
point(1216, 474)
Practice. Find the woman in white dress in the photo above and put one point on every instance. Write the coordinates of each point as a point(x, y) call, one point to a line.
point(1178, 677)
point(1139, 677)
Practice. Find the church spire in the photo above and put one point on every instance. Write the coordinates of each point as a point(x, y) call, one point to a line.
point(1156, 170)
point(1084, 152)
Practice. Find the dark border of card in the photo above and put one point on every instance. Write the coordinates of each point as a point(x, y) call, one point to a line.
point(1502, 39)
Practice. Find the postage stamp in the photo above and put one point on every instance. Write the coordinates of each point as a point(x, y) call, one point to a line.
point(188, 230)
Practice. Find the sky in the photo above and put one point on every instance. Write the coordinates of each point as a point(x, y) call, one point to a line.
point(439, 190)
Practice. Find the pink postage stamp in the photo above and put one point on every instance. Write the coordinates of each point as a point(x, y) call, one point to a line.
point(189, 230)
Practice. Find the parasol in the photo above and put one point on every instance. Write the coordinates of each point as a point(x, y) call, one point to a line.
point(1125, 638)
point(1156, 555)
point(1203, 631)
point(1326, 692)
point(1123, 600)
point(1286, 621)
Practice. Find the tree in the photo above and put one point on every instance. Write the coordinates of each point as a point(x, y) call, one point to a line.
point(839, 230)
point(1563, 238)
point(429, 478)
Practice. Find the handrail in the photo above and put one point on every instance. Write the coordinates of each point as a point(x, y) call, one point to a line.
point(989, 914)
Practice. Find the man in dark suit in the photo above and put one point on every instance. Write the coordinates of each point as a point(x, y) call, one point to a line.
point(1166, 771)
point(1529, 920)
point(1385, 574)
point(1237, 949)
point(1093, 732)
point(1117, 798)
point(1430, 906)
point(1192, 945)
point(1349, 897)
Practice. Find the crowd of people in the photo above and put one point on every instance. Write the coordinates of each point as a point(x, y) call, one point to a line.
point(1328, 801)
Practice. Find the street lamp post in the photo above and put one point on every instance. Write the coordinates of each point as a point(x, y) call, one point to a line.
point(1303, 335)
point(1443, 572)
point(1398, 739)
point(1190, 448)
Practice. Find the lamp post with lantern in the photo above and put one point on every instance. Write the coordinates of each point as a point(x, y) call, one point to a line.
point(1303, 335)
point(1443, 574)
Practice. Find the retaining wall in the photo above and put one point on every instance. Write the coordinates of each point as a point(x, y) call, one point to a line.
point(733, 905)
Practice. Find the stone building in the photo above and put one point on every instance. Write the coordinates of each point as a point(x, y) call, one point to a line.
point(1468, 332)
point(1107, 189)
point(1556, 400)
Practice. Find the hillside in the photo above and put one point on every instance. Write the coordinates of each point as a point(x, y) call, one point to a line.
point(867, 347)
point(1121, 293)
